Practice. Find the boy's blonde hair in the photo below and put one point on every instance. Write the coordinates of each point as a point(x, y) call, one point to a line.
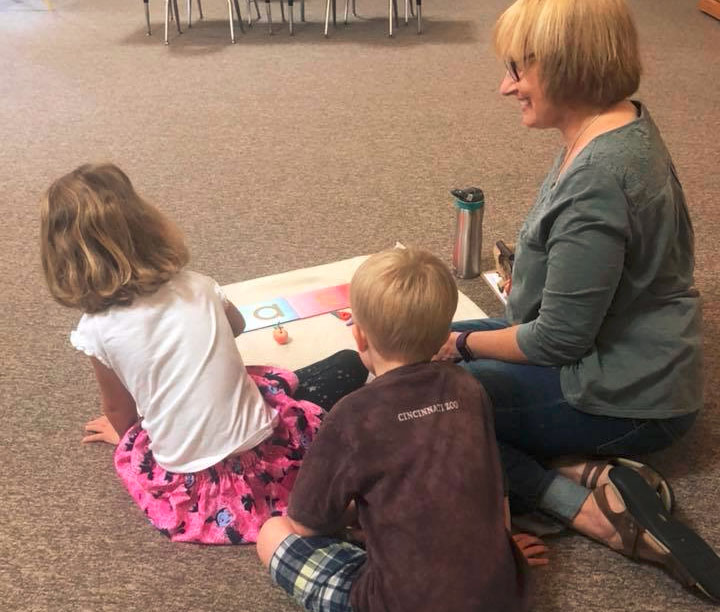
point(586, 50)
point(404, 301)
point(101, 243)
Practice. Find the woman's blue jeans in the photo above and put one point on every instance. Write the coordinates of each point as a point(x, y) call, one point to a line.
point(534, 424)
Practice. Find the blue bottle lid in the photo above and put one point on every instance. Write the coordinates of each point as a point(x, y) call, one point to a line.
point(470, 198)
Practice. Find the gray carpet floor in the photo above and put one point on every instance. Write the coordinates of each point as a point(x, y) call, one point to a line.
point(273, 154)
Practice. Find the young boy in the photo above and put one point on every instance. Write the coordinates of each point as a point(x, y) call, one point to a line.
point(413, 454)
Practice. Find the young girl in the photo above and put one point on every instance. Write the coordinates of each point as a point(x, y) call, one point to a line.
point(208, 448)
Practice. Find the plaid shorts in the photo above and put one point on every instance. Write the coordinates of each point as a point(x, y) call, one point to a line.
point(317, 571)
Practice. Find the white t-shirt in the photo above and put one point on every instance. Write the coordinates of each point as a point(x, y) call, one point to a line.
point(175, 353)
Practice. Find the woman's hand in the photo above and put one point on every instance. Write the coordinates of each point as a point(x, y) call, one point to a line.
point(100, 430)
point(448, 351)
point(532, 548)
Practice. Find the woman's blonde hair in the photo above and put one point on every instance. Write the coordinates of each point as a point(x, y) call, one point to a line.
point(586, 50)
point(404, 300)
point(101, 243)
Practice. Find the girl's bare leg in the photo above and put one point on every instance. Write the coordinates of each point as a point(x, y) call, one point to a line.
point(272, 533)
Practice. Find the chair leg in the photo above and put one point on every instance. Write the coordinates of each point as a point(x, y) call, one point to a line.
point(269, 16)
point(282, 11)
point(347, 3)
point(167, 19)
point(407, 11)
point(354, 9)
point(291, 10)
point(334, 3)
point(189, 9)
point(147, 16)
point(239, 16)
point(302, 10)
point(327, 16)
point(177, 16)
point(232, 19)
point(390, 17)
point(250, 4)
point(419, 16)
point(395, 12)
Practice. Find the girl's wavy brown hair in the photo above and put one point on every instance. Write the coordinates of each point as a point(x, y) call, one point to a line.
point(101, 243)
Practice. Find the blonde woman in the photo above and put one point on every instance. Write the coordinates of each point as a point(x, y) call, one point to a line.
point(600, 352)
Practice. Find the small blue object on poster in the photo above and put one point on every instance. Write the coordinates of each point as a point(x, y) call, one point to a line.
point(267, 313)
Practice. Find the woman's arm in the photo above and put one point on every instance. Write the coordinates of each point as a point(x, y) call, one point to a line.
point(584, 242)
point(117, 403)
point(500, 344)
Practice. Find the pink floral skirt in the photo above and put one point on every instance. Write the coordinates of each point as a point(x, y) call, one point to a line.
point(228, 502)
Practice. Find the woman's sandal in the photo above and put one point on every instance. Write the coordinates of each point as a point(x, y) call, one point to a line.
point(678, 549)
point(595, 467)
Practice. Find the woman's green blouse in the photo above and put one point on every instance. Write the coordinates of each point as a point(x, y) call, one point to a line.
point(603, 279)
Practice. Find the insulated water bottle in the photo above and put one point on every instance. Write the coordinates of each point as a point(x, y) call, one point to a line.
point(469, 206)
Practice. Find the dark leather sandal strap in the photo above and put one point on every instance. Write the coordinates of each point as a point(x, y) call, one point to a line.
point(593, 464)
point(633, 544)
point(626, 526)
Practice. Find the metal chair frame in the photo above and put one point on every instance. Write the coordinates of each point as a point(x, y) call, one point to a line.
point(392, 13)
point(189, 10)
point(171, 10)
point(291, 14)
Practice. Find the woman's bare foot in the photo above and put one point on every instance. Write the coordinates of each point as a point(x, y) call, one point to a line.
point(574, 470)
point(591, 521)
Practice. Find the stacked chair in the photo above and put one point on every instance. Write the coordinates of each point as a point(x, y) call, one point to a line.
point(171, 10)
point(172, 13)
point(392, 13)
point(291, 16)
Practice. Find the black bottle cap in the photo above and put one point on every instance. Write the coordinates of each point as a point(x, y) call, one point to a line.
point(469, 194)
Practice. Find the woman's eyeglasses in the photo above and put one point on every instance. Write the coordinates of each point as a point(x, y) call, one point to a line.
point(512, 67)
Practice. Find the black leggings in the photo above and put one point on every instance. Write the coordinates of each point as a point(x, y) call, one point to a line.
point(325, 382)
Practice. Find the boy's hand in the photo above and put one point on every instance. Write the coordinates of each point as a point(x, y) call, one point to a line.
point(101, 431)
point(355, 535)
point(448, 351)
point(532, 548)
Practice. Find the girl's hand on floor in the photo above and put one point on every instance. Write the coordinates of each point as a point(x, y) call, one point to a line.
point(100, 430)
point(532, 548)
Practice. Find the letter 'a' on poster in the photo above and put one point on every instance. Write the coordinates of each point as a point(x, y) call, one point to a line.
point(300, 306)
